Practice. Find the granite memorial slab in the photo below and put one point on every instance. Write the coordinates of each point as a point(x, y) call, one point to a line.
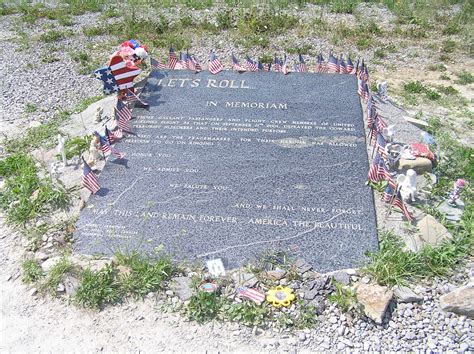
point(233, 165)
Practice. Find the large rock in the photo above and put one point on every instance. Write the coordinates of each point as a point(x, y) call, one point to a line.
point(460, 301)
point(50, 263)
point(405, 294)
point(375, 299)
point(420, 165)
point(181, 286)
point(432, 232)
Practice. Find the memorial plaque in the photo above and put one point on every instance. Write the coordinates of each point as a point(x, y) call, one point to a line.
point(232, 165)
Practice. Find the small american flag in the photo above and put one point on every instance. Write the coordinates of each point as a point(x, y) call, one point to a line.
point(215, 65)
point(235, 64)
point(155, 64)
point(285, 68)
point(113, 137)
point(197, 65)
point(104, 144)
point(373, 174)
point(190, 65)
point(172, 59)
point(267, 66)
point(251, 294)
point(380, 123)
point(251, 65)
point(356, 67)
point(123, 111)
point(350, 65)
point(361, 88)
point(89, 179)
point(302, 65)
point(387, 194)
point(131, 96)
point(277, 66)
point(333, 66)
point(401, 205)
point(342, 66)
point(321, 66)
point(260, 66)
point(181, 64)
point(380, 145)
point(366, 92)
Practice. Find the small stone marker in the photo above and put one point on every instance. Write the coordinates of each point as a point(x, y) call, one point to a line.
point(216, 267)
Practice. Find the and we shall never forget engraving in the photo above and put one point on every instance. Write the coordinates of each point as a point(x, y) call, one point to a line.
point(232, 165)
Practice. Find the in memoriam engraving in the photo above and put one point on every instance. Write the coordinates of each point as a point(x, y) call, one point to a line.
point(232, 165)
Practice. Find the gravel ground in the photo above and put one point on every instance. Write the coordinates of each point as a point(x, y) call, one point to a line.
point(30, 323)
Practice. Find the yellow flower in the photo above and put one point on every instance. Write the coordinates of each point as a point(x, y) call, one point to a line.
point(280, 296)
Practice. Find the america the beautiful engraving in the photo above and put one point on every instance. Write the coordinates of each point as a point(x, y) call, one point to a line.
point(231, 165)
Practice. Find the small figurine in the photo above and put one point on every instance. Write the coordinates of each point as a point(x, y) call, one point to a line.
point(393, 153)
point(98, 115)
point(407, 153)
point(455, 193)
point(94, 148)
point(61, 149)
point(389, 132)
point(408, 186)
point(382, 90)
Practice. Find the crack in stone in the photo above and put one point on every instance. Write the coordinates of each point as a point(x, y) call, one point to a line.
point(268, 241)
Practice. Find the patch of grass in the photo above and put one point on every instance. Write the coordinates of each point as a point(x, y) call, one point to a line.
point(464, 78)
point(432, 95)
point(380, 53)
point(204, 306)
point(147, 275)
point(253, 22)
point(444, 77)
point(343, 6)
point(25, 195)
point(98, 289)
point(304, 49)
point(344, 297)
point(32, 271)
point(76, 146)
point(414, 87)
point(448, 46)
point(225, 19)
point(30, 108)
point(436, 67)
point(110, 12)
point(198, 4)
point(56, 274)
point(393, 265)
point(448, 90)
point(247, 313)
point(55, 36)
point(91, 31)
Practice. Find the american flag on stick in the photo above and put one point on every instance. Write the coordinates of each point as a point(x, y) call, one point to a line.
point(373, 174)
point(155, 64)
point(277, 66)
point(333, 65)
point(197, 65)
point(301, 65)
point(172, 59)
point(398, 202)
point(215, 65)
point(350, 65)
point(342, 66)
point(361, 88)
point(89, 179)
point(131, 96)
point(106, 147)
point(235, 64)
point(321, 66)
point(285, 68)
point(251, 294)
point(250, 64)
point(267, 66)
point(113, 137)
point(181, 64)
point(122, 110)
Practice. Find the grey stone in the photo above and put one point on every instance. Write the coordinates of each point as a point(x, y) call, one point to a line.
point(276, 274)
point(460, 301)
point(71, 284)
point(217, 173)
point(405, 294)
point(41, 256)
point(432, 232)
point(247, 279)
point(50, 263)
point(181, 286)
point(420, 165)
point(342, 277)
point(452, 213)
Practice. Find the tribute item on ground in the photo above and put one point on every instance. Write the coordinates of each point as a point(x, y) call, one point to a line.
point(232, 165)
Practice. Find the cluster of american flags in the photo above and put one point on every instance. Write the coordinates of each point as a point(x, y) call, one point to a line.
point(379, 170)
point(185, 61)
point(120, 125)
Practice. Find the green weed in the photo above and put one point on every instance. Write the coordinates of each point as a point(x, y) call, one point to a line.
point(32, 271)
point(448, 90)
point(204, 307)
point(247, 313)
point(76, 146)
point(464, 78)
point(55, 36)
point(436, 67)
point(343, 6)
point(98, 289)
point(147, 275)
point(56, 274)
point(25, 195)
point(448, 46)
point(30, 108)
point(344, 297)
